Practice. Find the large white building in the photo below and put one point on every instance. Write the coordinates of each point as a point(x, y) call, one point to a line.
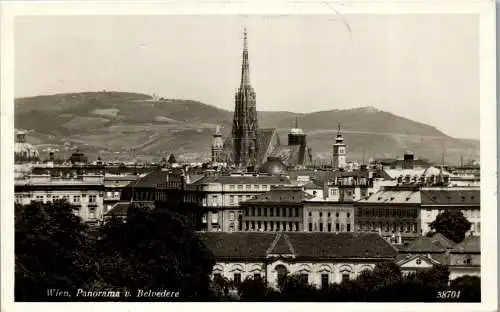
point(84, 192)
point(222, 194)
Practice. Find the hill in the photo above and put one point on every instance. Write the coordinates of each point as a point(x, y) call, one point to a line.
point(120, 125)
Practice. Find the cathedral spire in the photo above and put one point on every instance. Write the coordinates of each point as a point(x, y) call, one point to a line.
point(245, 66)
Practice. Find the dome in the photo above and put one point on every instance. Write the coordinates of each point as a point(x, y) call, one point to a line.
point(24, 151)
point(273, 166)
point(296, 131)
point(431, 171)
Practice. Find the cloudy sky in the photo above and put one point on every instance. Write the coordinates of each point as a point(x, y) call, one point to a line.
point(423, 67)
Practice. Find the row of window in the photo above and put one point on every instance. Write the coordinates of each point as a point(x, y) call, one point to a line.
point(76, 198)
point(321, 227)
point(248, 186)
point(272, 211)
point(268, 226)
point(337, 214)
point(304, 278)
point(388, 212)
point(388, 227)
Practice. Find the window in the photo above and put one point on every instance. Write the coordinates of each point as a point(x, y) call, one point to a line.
point(348, 227)
point(329, 227)
point(231, 199)
point(253, 211)
point(296, 211)
point(348, 215)
point(231, 216)
point(296, 226)
point(290, 226)
point(321, 227)
point(231, 186)
point(258, 212)
point(265, 211)
point(310, 227)
point(337, 227)
point(247, 225)
point(329, 215)
point(271, 211)
point(92, 213)
point(419, 261)
point(337, 214)
point(310, 214)
point(217, 276)
point(92, 198)
point(240, 186)
point(278, 210)
point(256, 186)
point(256, 276)
point(215, 217)
point(271, 226)
point(240, 198)
point(345, 277)
point(248, 186)
point(259, 226)
point(324, 281)
point(320, 214)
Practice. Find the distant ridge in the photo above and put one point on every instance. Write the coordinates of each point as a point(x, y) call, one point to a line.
point(125, 124)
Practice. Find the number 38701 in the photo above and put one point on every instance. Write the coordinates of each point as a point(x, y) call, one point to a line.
point(448, 294)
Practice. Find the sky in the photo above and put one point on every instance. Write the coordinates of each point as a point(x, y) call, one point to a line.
point(422, 67)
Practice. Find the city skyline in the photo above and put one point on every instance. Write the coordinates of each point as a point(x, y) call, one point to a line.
point(137, 55)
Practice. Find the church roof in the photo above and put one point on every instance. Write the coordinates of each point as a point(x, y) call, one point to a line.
point(302, 245)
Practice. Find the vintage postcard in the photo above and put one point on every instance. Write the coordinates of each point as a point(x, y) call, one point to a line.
point(278, 155)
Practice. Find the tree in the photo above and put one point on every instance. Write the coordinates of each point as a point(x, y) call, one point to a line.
point(171, 159)
point(255, 289)
point(153, 250)
point(469, 287)
point(452, 224)
point(51, 252)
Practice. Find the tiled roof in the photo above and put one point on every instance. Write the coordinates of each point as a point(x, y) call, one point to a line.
point(471, 244)
point(290, 154)
point(392, 196)
point(304, 245)
point(244, 179)
point(451, 196)
point(281, 246)
point(424, 244)
point(281, 196)
point(264, 138)
point(118, 210)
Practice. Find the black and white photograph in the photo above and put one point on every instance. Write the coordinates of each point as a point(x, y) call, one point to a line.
point(334, 155)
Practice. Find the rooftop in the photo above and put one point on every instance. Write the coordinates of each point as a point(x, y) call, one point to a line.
point(302, 245)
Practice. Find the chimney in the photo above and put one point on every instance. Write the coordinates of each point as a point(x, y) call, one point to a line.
point(408, 160)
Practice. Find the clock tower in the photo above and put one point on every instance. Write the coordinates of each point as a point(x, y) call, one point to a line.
point(339, 151)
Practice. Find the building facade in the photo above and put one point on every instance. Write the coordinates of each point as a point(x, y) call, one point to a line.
point(85, 193)
point(217, 147)
point(280, 209)
point(318, 258)
point(393, 212)
point(437, 199)
point(221, 196)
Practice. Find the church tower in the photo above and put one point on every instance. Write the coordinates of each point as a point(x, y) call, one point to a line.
point(244, 132)
point(217, 146)
point(339, 151)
